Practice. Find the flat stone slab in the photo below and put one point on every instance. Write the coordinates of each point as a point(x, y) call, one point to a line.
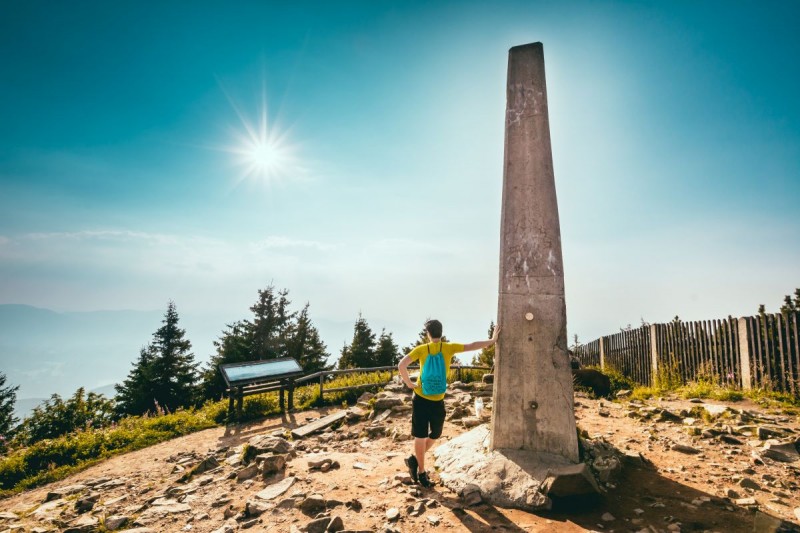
point(509, 478)
point(273, 491)
point(317, 425)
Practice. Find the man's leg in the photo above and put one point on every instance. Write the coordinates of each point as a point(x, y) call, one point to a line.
point(420, 447)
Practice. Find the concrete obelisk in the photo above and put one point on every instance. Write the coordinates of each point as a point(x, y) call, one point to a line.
point(529, 454)
point(533, 399)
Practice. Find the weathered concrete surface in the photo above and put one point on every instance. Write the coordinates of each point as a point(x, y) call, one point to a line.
point(533, 381)
point(509, 478)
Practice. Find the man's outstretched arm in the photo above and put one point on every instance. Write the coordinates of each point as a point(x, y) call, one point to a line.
point(480, 345)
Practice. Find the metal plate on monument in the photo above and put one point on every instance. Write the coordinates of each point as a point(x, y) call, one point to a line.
point(236, 374)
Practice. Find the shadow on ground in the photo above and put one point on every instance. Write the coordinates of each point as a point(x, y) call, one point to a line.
point(663, 502)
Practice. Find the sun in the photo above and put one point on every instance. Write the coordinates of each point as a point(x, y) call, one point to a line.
point(262, 149)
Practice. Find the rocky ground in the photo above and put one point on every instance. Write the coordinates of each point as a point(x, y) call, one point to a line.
point(663, 465)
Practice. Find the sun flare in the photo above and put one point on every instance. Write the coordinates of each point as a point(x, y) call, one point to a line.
point(262, 149)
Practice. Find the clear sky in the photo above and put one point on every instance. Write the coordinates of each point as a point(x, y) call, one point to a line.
point(128, 175)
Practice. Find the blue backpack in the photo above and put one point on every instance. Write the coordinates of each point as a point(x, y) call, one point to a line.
point(434, 373)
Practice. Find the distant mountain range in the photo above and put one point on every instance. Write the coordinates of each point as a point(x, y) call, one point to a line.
point(47, 352)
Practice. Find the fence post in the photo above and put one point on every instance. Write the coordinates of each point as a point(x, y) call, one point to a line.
point(321, 381)
point(744, 355)
point(602, 354)
point(653, 354)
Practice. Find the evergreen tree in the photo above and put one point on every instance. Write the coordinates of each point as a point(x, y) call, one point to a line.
point(304, 344)
point(136, 394)
point(486, 356)
point(270, 323)
point(8, 397)
point(361, 351)
point(233, 346)
point(274, 331)
point(791, 305)
point(387, 353)
point(165, 374)
point(174, 369)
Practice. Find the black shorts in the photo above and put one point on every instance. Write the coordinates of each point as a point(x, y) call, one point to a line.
point(427, 417)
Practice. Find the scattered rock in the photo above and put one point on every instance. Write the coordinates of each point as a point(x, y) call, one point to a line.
point(748, 483)
point(84, 524)
point(732, 494)
point(471, 494)
point(247, 472)
point(730, 439)
point(685, 449)
point(607, 517)
point(59, 493)
point(264, 444)
point(319, 525)
point(387, 400)
point(209, 463)
point(374, 432)
point(744, 502)
point(313, 504)
point(271, 464)
point(114, 522)
point(764, 432)
point(256, 507)
point(336, 524)
point(392, 514)
point(785, 452)
point(273, 491)
point(434, 519)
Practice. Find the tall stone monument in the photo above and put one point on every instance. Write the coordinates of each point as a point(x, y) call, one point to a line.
point(533, 402)
point(530, 451)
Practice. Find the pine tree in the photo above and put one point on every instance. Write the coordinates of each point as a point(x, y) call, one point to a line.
point(233, 346)
point(387, 352)
point(174, 369)
point(270, 323)
point(304, 344)
point(165, 374)
point(8, 397)
point(361, 351)
point(136, 394)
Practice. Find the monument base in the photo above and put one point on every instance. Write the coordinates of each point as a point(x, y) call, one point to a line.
point(509, 478)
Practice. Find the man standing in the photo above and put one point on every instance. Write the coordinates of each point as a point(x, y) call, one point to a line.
point(427, 415)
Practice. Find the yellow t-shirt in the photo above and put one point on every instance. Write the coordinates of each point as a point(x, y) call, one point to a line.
point(420, 354)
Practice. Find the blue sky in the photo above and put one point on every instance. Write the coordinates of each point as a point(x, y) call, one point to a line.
point(675, 130)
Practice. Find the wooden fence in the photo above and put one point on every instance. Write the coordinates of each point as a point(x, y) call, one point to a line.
point(760, 351)
point(323, 376)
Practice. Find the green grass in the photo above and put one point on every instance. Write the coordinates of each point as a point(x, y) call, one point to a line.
point(53, 459)
point(784, 402)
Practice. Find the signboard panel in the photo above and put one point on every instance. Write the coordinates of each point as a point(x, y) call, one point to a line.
point(236, 374)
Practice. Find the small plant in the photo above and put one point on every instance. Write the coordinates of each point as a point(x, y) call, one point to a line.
point(668, 376)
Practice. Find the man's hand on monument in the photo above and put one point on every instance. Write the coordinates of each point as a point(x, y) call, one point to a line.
point(496, 333)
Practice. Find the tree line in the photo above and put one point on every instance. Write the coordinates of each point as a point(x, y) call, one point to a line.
point(165, 376)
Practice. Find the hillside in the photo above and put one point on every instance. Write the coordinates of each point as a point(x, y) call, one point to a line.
point(669, 465)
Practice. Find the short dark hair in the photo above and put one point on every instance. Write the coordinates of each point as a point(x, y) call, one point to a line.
point(434, 328)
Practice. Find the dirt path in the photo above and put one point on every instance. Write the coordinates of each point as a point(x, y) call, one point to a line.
point(680, 492)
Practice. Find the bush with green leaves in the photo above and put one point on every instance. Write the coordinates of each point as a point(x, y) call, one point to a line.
point(51, 459)
point(56, 416)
